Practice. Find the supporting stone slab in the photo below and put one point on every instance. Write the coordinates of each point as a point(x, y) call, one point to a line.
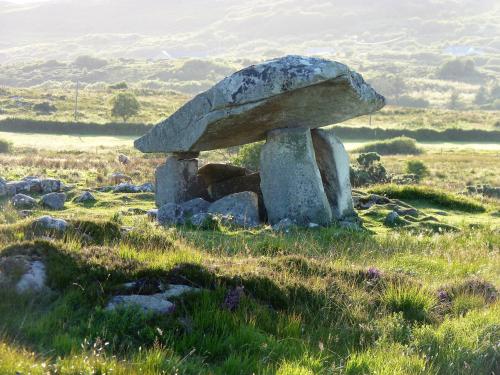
point(176, 180)
point(333, 164)
point(290, 179)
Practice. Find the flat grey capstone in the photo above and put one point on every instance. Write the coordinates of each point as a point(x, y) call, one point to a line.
point(334, 167)
point(241, 209)
point(54, 201)
point(290, 179)
point(292, 91)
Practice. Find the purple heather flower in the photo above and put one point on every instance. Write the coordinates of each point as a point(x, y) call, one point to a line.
point(233, 298)
point(443, 296)
point(373, 273)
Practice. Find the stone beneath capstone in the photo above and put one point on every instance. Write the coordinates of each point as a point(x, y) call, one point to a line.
point(23, 201)
point(333, 164)
point(290, 179)
point(176, 181)
point(217, 172)
point(203, 220)
point(291, 91)
point(54, 201)
point(240, 209)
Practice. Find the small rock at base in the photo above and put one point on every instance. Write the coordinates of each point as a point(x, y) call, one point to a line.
point(171, 214)
point(195, 206)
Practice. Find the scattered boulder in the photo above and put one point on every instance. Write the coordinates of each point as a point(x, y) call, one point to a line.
point(34, 278)
point(54, 201)
point(155, 303)
point(195, 206)
point(50, 223)
point(22, 201)
point(85, 197)
point(243, 208)
point(11, 189)
point(3, 188)
point(22, 274)
point(124, 159)
point(149, 304)
point(170, 214)
point(242, 108)
point(118, 178)
point(126, 187)
point(51, 185)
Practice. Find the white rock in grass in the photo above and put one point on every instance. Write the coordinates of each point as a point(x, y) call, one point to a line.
point(155, 303)
point(34, 279)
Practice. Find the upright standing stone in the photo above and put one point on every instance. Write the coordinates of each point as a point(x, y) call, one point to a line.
point(333, 164)
point(175, 180)
point(290, 179)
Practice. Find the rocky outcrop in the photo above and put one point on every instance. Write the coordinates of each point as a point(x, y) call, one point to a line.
point(291, 91)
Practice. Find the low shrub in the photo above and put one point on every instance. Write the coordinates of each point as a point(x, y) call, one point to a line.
point(417, 168)
point(413, 302)
point(248, 156)
point(395, 146)
point(370, 170)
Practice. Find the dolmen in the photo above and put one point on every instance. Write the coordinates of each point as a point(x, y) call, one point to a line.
point(304, 169)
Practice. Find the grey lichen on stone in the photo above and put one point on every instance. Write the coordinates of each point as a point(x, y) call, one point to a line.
point(292, 91)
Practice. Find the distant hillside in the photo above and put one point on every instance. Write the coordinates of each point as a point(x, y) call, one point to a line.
point(200, 28)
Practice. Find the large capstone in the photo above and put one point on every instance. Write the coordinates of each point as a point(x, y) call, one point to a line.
point(293, 91)
point(176, 180)
point(290, 179)
point(333, 164)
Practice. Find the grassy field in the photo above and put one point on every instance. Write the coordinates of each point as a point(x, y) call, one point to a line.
point(327, 301)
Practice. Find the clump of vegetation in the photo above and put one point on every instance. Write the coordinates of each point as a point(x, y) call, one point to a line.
point(434, 196)
point(460, 70)
point(119, 86)
point(125, 105)
point(370, 170)
point(44, 108)
point(394, 146)
point(248, 156)
point(5, 146)
point(417, 168)
point(89, 62)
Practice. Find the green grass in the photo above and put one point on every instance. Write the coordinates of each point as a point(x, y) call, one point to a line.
point(435, 197)
point(311, 304)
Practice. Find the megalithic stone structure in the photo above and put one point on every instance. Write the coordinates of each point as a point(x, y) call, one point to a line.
point(304, 177)
point(333, 164)
point(290, 179)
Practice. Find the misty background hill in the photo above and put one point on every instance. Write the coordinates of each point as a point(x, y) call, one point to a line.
point(151, 29)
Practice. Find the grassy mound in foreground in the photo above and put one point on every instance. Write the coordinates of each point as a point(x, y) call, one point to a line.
point(394, 146)
point(436, 197)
